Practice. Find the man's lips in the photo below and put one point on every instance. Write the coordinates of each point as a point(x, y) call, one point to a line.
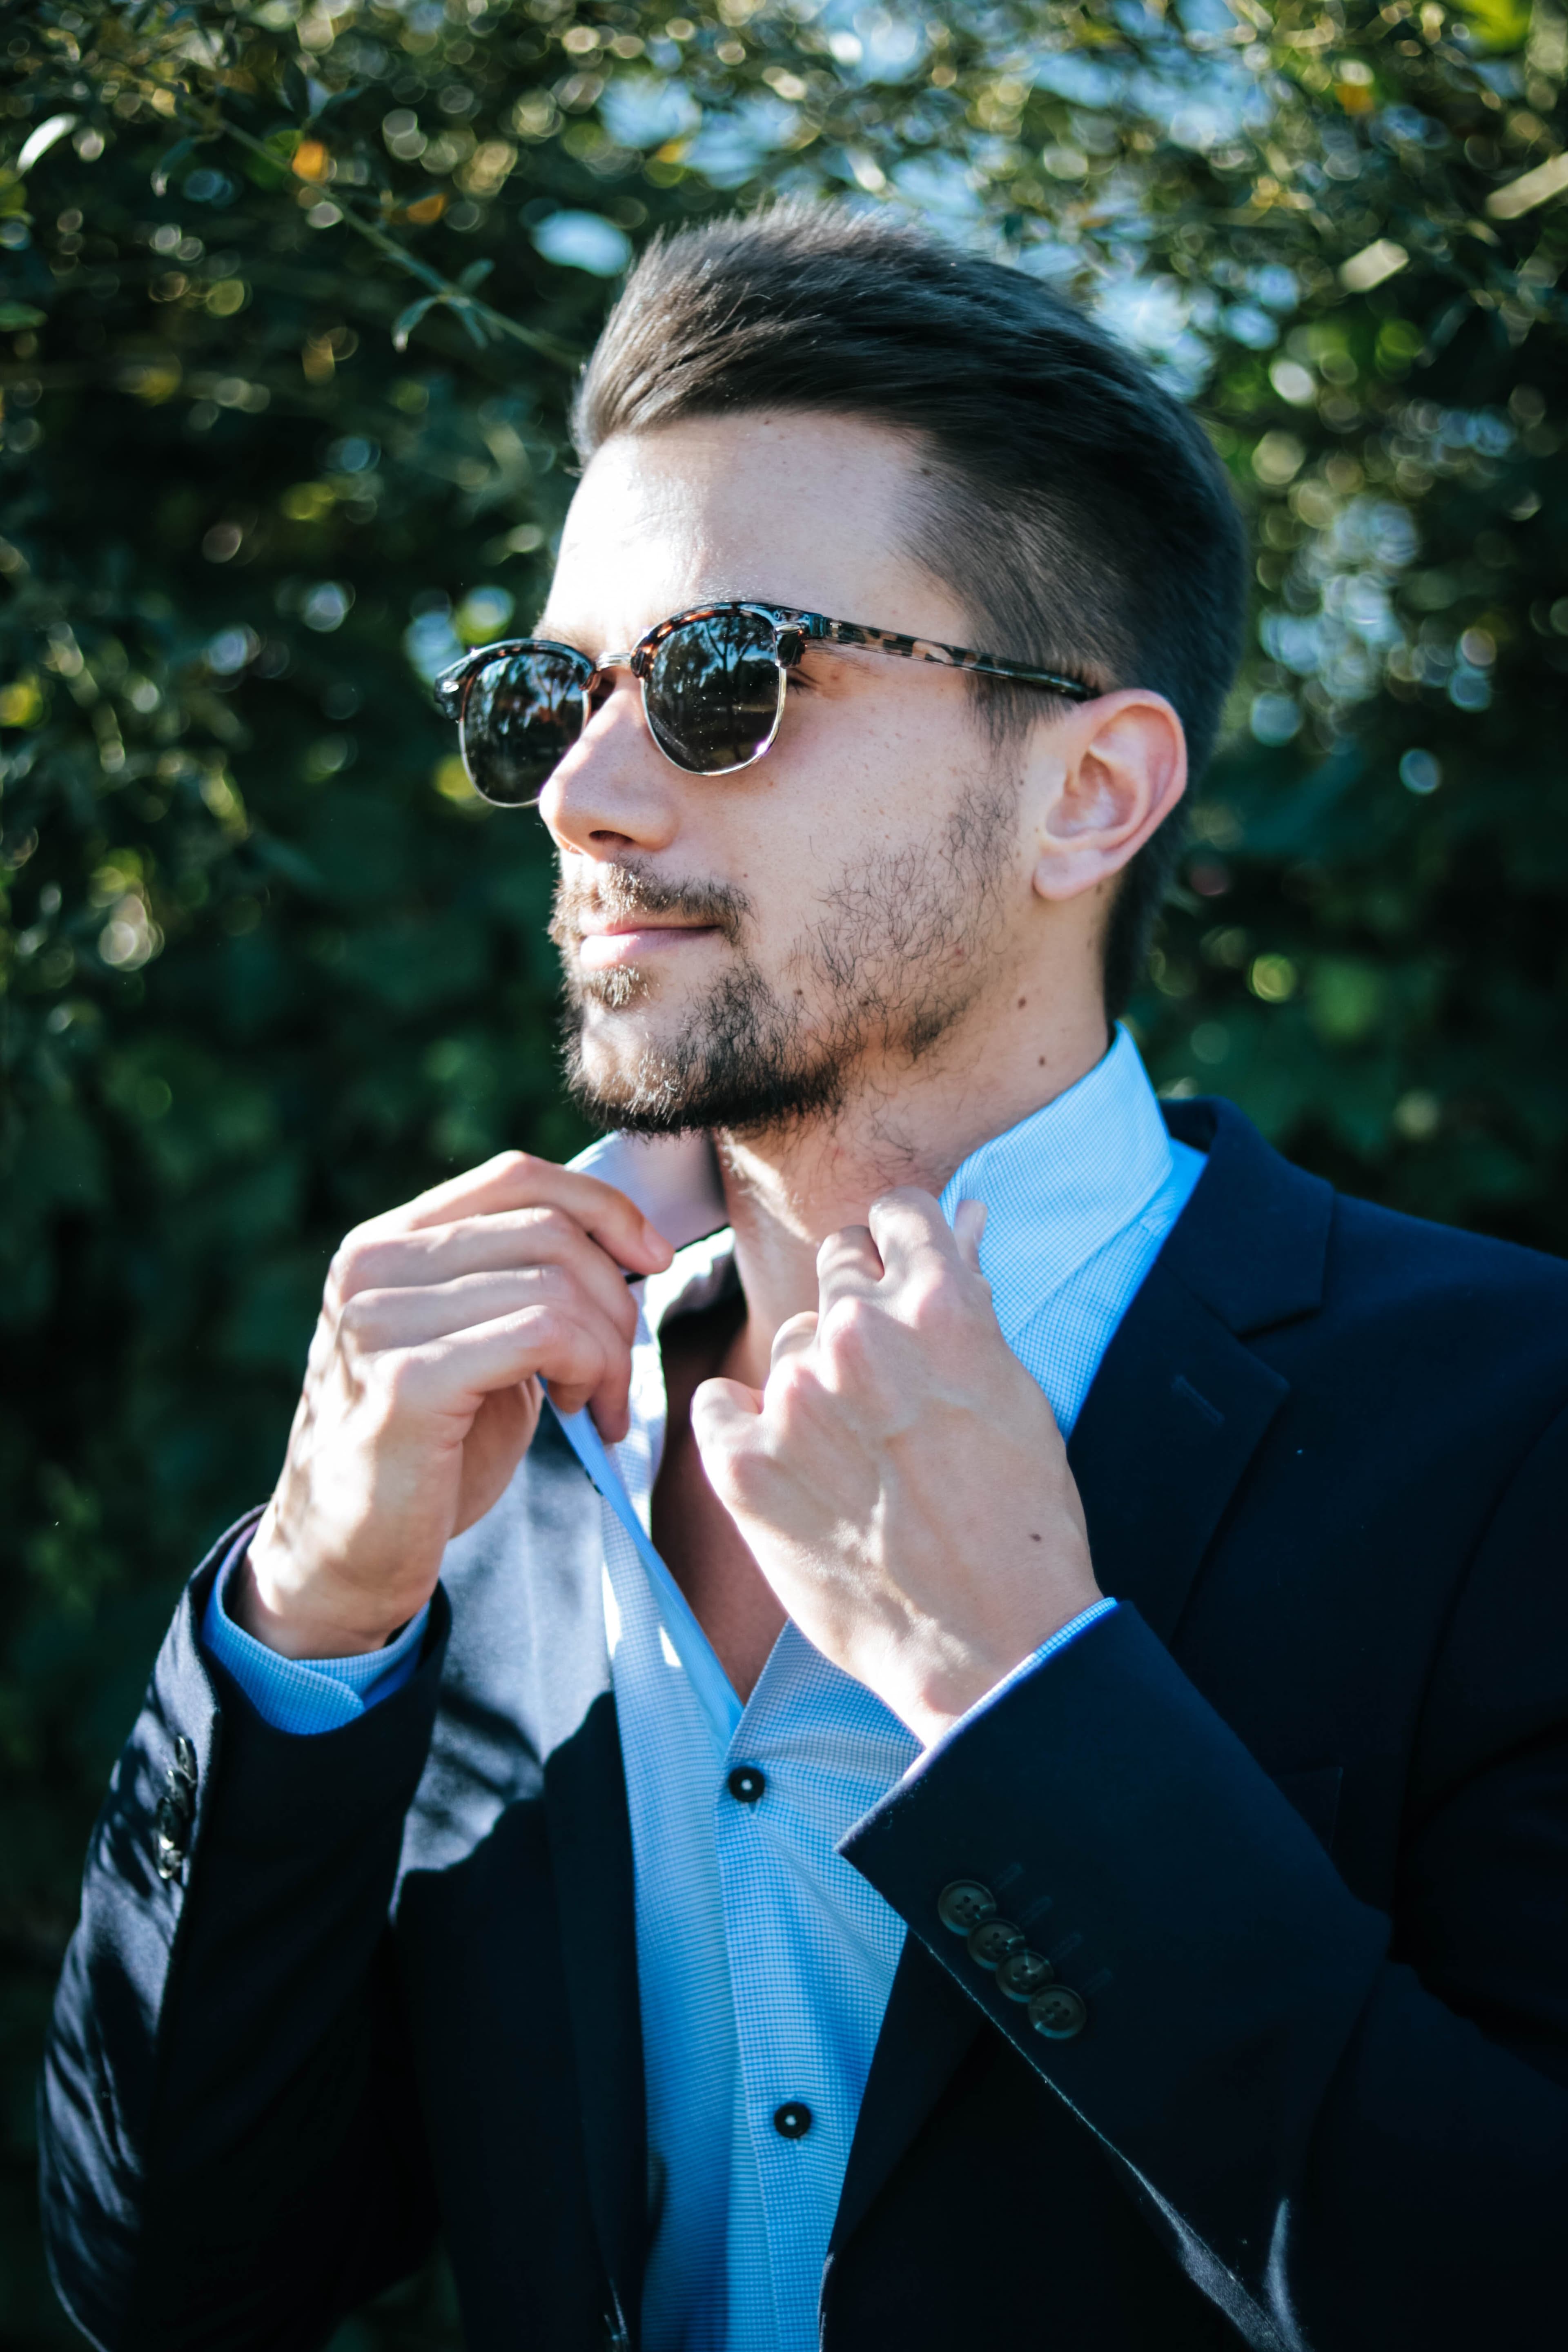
point(633, 941)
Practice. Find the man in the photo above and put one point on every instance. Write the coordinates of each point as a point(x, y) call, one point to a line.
point(682, 1784)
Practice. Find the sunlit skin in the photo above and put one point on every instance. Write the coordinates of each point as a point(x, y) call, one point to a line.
point(855, 1446)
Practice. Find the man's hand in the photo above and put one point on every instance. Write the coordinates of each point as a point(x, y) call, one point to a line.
point(900, 1480)
point(442, 1324)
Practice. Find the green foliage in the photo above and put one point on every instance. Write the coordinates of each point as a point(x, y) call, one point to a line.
point(292, 298)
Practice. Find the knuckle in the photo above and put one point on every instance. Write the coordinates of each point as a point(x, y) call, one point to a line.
point(520, 1168)
point(849, 1332)
point(544, 1223)
point(932, 1302)
point(357, 1318)
point(539, 1321)
point(794, 1395)
point(353, 1260)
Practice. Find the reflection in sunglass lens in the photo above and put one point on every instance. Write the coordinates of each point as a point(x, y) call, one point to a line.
point(714, 692)
point(523, 713)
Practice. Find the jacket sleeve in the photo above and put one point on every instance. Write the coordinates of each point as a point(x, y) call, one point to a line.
point(1352, 2130)
point(230, 2149)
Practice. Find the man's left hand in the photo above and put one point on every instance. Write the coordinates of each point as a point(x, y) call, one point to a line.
point(900, 1480)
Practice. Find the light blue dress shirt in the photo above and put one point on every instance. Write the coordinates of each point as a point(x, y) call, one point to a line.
point(765, 1959)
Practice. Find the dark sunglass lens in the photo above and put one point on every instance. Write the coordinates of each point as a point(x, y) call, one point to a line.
point(714, 692)
point(523, 713)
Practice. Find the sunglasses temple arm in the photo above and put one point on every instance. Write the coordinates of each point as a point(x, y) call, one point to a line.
point(849, 633)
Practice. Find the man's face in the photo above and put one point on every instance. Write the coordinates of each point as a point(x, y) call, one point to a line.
point(748, 950)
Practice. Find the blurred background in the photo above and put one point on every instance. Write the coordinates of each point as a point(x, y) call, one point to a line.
point(291, 301)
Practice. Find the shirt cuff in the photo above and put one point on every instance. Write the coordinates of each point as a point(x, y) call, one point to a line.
point(1058, 1641)
point(305, 1696)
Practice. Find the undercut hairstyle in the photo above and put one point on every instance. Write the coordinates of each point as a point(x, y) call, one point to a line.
point(1076, 509)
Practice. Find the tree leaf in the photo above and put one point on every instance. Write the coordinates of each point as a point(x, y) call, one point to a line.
point(406, 321)
point(164, 169)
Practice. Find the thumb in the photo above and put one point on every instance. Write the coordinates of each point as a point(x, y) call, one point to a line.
point(724, 1418)
point(719, 1412)
point(968, 1227)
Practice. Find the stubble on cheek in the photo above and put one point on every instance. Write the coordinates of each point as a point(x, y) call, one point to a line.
point(907, 942)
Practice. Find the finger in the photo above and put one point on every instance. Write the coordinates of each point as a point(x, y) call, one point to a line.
point(513, 1241)
point(580, 1358)
point(517, 1179)
point(405, 1318)
point(908, 1226)
point(969, 1231)
point(793, 1338)
point(847, 1267)
point(724, 1416)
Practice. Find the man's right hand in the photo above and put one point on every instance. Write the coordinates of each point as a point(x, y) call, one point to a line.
point(441, 1326)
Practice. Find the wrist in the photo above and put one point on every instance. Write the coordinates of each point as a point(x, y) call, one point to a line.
point(969, 1676)
point(268, 1598)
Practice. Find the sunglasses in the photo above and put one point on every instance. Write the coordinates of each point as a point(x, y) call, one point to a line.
point(712, 679)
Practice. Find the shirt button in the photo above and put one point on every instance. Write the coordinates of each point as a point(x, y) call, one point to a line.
point(746, 1783)
point(963, 1905)
point(792, 2120)
point(1058, 2013)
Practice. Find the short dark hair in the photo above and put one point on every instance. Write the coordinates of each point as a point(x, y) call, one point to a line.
point(1079, 511)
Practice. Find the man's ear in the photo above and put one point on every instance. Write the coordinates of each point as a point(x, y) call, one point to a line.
point(1107, 777)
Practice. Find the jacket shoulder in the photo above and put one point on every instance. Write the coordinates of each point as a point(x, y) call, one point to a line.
point(1269, 1246)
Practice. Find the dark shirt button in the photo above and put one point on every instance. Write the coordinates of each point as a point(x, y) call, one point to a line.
point(1058, 2013)
point(994, 1941)
point(792, 2120)
point(746, 1783)
point(1021, 1975)
point(963, 1904)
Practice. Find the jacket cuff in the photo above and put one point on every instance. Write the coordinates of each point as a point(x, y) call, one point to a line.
point(1214, 1962)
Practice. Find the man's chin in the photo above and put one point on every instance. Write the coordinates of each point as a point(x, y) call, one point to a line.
point(621, 1072)
point(650, 1076)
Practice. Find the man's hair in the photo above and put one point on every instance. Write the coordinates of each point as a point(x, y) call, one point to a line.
point(1077, 510)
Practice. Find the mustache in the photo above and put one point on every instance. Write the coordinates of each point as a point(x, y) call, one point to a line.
point(619, 891)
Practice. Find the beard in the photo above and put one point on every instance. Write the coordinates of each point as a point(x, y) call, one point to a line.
point(896, 954)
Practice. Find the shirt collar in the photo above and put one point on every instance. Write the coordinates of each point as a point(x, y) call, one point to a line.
point(1056, 1188)
point(1064, 1181)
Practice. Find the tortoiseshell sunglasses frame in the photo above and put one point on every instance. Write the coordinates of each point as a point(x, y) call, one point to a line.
point(792, 632)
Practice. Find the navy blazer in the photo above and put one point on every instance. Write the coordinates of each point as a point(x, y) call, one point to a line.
point(1293, 1820)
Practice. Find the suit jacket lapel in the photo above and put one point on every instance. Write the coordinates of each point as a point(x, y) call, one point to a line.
point(1181, 1403)
point(1175, 1416)
point(1175, 1413)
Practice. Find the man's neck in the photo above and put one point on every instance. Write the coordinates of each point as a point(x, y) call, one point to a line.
point(788, 1189)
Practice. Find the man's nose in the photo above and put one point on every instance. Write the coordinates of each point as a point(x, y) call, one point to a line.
point(613, 791)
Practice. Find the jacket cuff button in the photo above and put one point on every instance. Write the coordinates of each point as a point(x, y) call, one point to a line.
point(963, 1904)
point(994, 1941)
point(1023, 1974)
point(1058, 2013)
